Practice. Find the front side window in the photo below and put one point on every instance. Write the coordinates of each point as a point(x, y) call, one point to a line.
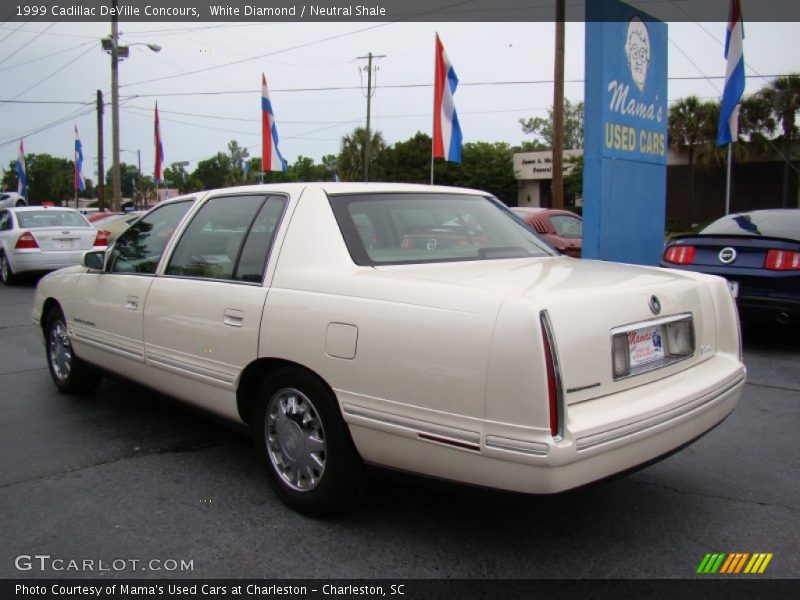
point(228, 239)
point(33, 219)
point(5, 220)
point(407, 228)
point(139, 249)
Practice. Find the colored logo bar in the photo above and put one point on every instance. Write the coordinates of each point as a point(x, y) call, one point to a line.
point(734, 563)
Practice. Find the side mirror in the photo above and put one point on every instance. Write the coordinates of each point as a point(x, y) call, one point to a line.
point(95, 260)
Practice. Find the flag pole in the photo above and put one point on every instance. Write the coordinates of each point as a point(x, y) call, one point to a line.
point(433, 113)
point(728, 183)
point(431, 161)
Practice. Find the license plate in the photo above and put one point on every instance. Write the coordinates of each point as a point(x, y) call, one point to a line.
point(64, 243)
point(734, 287)
point(645, 345)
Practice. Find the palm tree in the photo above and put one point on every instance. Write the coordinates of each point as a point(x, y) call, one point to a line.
point(350, 165)
point(783, 94)
point(688, 128)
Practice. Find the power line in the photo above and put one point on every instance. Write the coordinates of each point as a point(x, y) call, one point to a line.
point(73, 115)
point(298, 46)
point(57, 52)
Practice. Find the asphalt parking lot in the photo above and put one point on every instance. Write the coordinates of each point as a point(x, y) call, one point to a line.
point(125, 474)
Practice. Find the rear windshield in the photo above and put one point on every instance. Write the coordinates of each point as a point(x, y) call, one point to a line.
point(31, 219)
point(769, 223)
point(408, 228)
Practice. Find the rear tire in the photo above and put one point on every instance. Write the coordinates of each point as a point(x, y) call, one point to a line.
point(304, 445)
point(6, 274)
point(70, 374)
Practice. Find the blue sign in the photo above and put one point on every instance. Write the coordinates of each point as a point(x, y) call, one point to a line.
point(625, 154)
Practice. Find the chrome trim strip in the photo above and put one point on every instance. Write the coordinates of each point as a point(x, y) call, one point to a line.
point(631, 429)
point(413, 425)
point(510, 448)
point(108, 346)
point(160, 361)
point(651, 322)
point(547, 328)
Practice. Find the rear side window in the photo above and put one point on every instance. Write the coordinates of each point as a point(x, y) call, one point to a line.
point(229, 239)
point(6, 221)
point(409, 228)
point(139, 249)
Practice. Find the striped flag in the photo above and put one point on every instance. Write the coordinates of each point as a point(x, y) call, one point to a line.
point(734, 78)
point(446, 128)
point(271, 157)
point(80, 182)
point(159, 149)
point(22, 178)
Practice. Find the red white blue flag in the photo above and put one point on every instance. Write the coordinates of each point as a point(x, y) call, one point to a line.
point(271, 157)
point(159, 150)
point(80, 182)
point(734, 78)
point(446, 128)
point(22, 178)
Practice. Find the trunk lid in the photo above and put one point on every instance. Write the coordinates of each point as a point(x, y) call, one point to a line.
point(68, 239)
point(586, 300)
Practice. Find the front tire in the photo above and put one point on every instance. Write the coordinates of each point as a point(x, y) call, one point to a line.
point(70, 374)
point(303, 444)
point(6, 273)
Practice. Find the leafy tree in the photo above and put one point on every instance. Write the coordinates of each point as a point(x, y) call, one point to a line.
point(408, 161)
point(573, 180)
point(49, 178)
point(130, 180)
point(688, 128)
point(214, 172)
point(783, 94)
point(483, 166)
point(238, 156)
point(350, 166)
point(304, 169)
point(542, 128)
point(175, 176)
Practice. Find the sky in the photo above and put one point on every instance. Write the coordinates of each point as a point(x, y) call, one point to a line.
point(63, 65)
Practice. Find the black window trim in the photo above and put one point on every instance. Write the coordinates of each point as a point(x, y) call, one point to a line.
point(283, 196)
point(107, 264)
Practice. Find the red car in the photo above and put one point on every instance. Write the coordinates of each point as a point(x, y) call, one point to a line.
point(561, 228)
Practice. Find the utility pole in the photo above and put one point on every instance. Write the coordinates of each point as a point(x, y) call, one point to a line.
point(558, 109)
point(101, 175)
point(368, 141)
point(116, 183)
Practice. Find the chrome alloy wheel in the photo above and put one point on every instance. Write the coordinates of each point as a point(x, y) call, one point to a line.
point(295, 439)
point(60, 351)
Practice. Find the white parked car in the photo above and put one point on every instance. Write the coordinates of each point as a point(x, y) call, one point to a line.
point(11, 199)
point(41, 239)
point(419, 328)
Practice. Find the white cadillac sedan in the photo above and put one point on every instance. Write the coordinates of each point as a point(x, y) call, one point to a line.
point(420, 328)
point(42, 238)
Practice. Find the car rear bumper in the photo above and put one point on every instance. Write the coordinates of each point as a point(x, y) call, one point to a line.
point(604, 436)
point(781, 310)
point(43, 261)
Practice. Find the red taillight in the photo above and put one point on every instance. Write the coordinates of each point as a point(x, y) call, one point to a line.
point(102, 238)
point(26, 242)
point(552, 378)
point(679, 255)
point(782, 260)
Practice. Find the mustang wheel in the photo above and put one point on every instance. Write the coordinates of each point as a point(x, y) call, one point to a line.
point(6, 274)
point(303, 443)
point(70, 374)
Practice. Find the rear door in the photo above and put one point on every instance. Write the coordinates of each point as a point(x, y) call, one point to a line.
point(203, 315)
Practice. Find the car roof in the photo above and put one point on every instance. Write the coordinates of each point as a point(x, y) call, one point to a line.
point(332, 188)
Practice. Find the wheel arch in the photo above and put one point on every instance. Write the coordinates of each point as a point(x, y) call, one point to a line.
point(47, 306)
point(255, 372)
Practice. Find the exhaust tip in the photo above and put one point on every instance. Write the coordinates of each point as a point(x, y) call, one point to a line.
point(782, 318)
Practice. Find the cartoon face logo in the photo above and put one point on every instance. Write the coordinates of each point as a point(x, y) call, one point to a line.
point(637, 49)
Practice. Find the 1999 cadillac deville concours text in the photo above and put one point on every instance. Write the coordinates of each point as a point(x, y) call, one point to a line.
point(421, 328)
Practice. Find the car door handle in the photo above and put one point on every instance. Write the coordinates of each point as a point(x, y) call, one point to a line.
point(233, 317)
point(132, 303)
